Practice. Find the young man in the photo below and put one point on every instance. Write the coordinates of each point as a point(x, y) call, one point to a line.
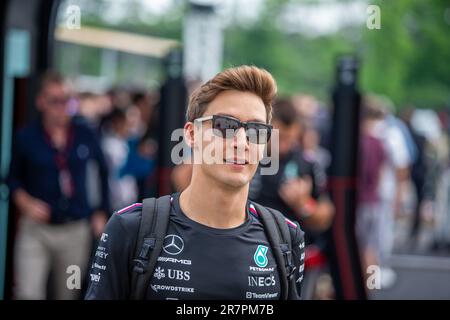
point(216, 246)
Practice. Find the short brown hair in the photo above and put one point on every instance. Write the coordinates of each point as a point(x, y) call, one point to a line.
point(49, 77)
point(284, 112)
point(243, 78)
point(372, 108)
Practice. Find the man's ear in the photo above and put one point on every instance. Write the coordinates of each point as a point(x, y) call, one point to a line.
point(189, 134)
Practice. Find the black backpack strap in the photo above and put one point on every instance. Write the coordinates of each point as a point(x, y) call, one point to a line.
point(152, 230)
point(286, 249)
point(279, 238)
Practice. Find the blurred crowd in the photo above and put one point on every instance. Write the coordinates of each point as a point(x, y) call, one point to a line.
point(90, 154)
point(126, 122)
point(84, 157)
point(403, 182)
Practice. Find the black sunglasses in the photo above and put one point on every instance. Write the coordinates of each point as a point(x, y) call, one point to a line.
point(58, 101)
point(256, 132)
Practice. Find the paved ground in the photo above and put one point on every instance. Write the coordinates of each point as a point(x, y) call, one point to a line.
point(422, 272)
point(418, 277)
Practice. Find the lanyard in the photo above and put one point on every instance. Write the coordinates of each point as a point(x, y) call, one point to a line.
point(61, 159)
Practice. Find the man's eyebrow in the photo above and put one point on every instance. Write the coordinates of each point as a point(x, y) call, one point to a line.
point(229, 115)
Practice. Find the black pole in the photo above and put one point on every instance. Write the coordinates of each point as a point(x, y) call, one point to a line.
point(48, 10)
point(344, 256)
point(172, 113)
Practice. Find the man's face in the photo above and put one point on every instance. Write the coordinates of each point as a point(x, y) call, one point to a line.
point(234, 159)
point(145, 106)
point(288, 136)
point(53, 103)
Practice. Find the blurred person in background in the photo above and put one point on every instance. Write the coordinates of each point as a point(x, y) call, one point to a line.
point(440, 147)
point(141, 164)
point(419, 170)
point(371, 160)
point(306, 106)
point(48, 186)
point(87, 109)
point(296, 188)
point(92, 108)
point(441, 239)
point(427, 123)
point(142, 156)
point(393, 180)
point(145, 102)
point(120, 97)
point(317, 129)
point(115, 134)
point(314, 152)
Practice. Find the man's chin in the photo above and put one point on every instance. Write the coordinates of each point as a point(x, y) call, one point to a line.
point(235, 181)
point(229, 178)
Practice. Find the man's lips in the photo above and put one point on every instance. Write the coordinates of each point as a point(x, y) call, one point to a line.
point(236, 161)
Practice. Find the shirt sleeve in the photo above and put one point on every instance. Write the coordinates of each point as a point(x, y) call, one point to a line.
point(318, 176)
point(298, 255)
point(109, 275)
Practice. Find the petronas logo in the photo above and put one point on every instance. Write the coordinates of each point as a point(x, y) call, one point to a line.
point(260, 256)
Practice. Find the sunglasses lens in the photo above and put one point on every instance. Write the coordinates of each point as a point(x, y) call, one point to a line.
point(258, 133)
point(58, 101)
point(225, 127)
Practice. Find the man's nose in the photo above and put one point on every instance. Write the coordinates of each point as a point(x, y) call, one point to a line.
point(240, 138)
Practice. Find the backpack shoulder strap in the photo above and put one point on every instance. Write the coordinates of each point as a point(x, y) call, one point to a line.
point(152, 230)
point(280, 240)
point(286, 249)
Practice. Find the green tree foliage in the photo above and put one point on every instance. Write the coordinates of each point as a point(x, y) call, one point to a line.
point(407, 59)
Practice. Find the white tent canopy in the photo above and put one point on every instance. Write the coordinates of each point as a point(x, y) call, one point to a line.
point(115, 40)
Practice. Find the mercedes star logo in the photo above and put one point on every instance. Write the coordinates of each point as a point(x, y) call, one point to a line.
point(173, 244)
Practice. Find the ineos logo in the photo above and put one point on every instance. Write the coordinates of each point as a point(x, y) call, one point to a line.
point(173, 244)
